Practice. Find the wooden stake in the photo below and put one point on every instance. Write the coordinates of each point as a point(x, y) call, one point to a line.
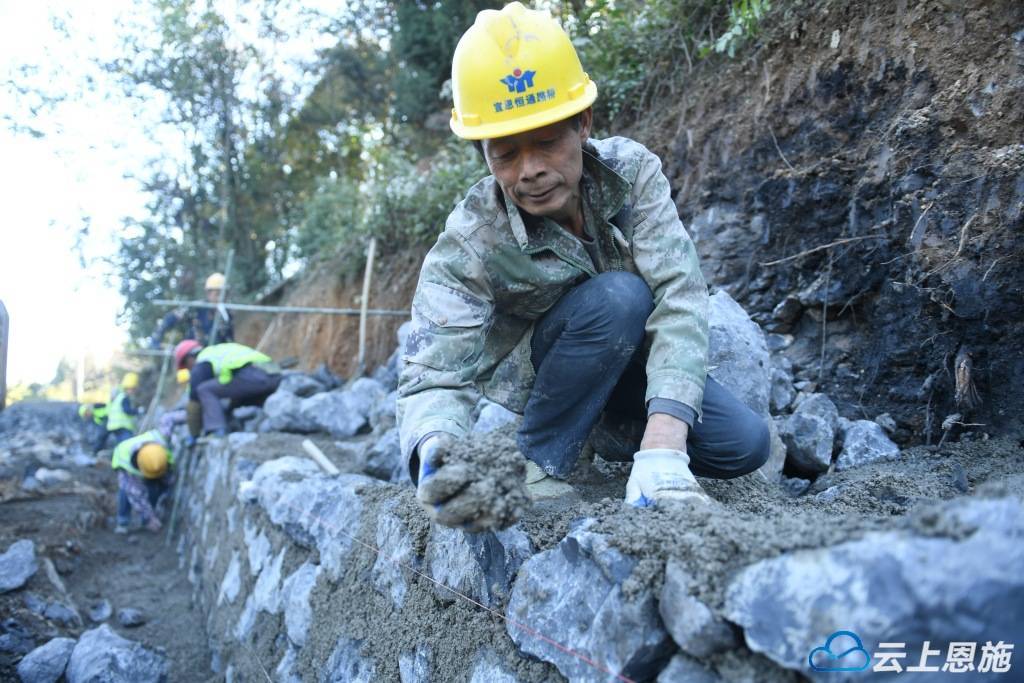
point(319, 458)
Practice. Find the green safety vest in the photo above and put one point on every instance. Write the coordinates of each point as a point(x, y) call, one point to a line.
point(116, 417)
point(230, 356)
point(123, 452)
point(99, 412)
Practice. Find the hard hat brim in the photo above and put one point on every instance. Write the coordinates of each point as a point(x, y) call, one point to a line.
point(500, 129)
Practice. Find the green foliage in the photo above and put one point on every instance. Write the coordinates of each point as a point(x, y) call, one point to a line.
point(745, 17)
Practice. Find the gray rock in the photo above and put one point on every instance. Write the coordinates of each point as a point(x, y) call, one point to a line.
point(285, 671)
point(865, 441)
point(46, 663)
point(365, 393)
point(738, 353)
point(492, 416)
point(34, 603)
point(396, 547)
point(414, 667)
point(300, 384)
point(384, 459)
point(683, 669)
point(267, 592)
point(339, 412)
point(62, 614)
point(247, 618)
point(314, 510)
point(573, 594)
point(99, 611)
point(258, 546)
point(489, 669)
point(232, 582)
point(347, 664)
point(479, 565)
point(382, 415)
point(298, 613)
point(886, 422)
point(778, 342)
point(102, 656)
point(17, 565)
point(130, 617)
point(829, 495)
point(17, 638)
point(894, 586)
point(327, 378)
point(285, 413)
point(782, 391)
point(794, 486)
point(809, 434)
point(695, 628)
point(788, 310)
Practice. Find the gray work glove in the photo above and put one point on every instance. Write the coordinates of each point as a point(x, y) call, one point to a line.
point(662, 474)
point(446, 491)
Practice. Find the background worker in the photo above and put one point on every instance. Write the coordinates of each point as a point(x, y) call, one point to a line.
point(96, 414)
point(564, 287)
point(122, 412)
point(231, 370)
point(143, 464)
point(197, 323)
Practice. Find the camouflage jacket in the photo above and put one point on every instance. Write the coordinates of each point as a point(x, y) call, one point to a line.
point(491, 275)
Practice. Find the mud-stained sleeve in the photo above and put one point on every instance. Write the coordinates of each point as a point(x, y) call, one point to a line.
point(451, 312)
point(667, 259)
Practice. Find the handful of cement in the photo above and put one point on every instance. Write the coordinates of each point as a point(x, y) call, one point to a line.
point(482, 479)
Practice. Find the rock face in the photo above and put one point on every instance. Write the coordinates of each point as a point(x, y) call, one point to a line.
point(46, 664)
point(573, 594)
point(892, 586)
point(738, 353)
point(809, 434)
point(865, 441)
point(696, 630)
point(17, 565)
point(102, 656)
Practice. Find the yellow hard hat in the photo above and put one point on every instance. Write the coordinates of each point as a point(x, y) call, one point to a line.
point(152, 459)
point(215, 281)
point(130, 380)
point(184, 376)
point(515, 70)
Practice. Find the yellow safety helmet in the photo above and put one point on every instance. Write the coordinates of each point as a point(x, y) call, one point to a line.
point(130, 380)
point(215, 281)
point(152, 460)
point(515, 70)
point(184, 376)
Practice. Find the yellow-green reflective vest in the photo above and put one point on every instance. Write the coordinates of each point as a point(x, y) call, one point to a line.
point(99, 412)
point(228, 357)
point(116, 417)
point(123, 452)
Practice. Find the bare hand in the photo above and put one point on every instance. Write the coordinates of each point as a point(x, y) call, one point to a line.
point(665, 431)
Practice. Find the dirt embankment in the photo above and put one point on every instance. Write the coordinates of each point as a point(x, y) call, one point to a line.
point(892, 131)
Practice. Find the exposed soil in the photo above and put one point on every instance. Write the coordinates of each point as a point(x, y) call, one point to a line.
point(72, 527)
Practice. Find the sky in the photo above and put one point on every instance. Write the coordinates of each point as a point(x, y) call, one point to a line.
point(61, 296)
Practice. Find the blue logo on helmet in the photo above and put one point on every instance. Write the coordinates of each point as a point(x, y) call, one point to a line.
point(519, 80)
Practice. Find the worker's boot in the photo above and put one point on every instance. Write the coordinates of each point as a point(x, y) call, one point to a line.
point(542, 486)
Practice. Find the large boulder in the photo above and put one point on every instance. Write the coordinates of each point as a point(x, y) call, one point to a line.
point(284, 413)
point(865, 441)
point(300, 384)
point(962, 579)
point(383, 460)
point(573, 595)
point(809, 434)
point(102, 656)
point(46, 663)
point(17, 565)
point(737, 352)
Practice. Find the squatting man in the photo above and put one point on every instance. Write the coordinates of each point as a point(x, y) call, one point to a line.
point(565, 288)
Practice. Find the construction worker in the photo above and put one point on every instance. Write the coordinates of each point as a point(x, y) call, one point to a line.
point(96, 415)
point(198, 323)
point(121, 411)
point(143, 465)
point(230, 370)
point(565, 288)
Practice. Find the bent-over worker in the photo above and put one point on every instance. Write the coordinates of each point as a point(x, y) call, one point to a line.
point(565, 288)
point(143, 464)
point(233, 371)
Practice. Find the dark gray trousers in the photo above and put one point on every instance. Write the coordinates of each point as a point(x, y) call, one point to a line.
point(588, 354)
point(249, 385)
